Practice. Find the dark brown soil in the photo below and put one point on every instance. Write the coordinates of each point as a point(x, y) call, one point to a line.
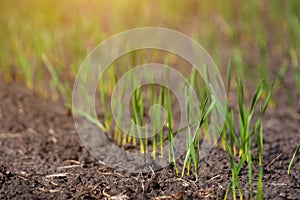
point(41, 157)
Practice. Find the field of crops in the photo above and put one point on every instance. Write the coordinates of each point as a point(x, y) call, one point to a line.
point(151, 124)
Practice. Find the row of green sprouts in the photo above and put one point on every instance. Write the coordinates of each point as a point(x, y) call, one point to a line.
point(165, 121)
point(242, 129)
point(243, 126)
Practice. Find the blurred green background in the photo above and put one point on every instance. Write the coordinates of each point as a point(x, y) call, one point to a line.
point(260, 37)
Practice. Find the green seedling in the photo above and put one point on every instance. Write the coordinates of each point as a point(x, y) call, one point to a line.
point(293, 159)
point(193, 137)
point(244, 141)
point(27, 71)
point(260, 176)
point(56, 83)
point(296, 69)
point(263, 62)
point(280, 78)
point(243, 138)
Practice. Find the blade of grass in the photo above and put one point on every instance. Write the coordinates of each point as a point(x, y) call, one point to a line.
point(260, 177)
point(228, 76)
point(170, 132)
point(293, 159)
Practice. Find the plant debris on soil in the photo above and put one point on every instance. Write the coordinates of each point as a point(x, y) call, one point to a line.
point(41, 157)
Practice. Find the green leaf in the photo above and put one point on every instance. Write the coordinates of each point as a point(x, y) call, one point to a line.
point(293, 159)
